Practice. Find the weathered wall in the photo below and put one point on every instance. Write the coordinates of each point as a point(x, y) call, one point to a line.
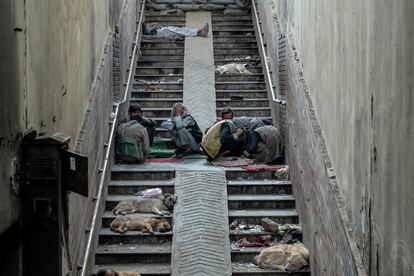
point(357, 62)
point(56, 76)
point(11, 107)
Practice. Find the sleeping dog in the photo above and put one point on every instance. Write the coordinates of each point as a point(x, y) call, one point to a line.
point(121, 224)
point(160, 206)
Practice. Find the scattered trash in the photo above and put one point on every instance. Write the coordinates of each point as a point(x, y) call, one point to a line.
point(233, 68)
point(274, 227)
point(283, 173)
point(150, 193)
point(283, 257)
point(243, 227)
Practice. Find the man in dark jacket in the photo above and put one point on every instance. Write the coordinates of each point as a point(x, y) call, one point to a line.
point(135, 113)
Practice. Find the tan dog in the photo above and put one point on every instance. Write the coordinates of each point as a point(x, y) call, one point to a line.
point(159, 206)
point(283, 257)
point(122, 224)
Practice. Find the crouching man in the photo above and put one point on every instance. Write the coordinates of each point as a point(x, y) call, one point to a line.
point(131, 143)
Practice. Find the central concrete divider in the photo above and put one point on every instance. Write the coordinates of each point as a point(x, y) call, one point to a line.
point(201, 233)
point(199, 80)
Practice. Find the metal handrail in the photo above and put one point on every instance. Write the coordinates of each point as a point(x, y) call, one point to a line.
point(109, 144)
point(263, 50)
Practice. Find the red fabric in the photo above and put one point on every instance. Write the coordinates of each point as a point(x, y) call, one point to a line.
point(262, 167)
point(163, 160)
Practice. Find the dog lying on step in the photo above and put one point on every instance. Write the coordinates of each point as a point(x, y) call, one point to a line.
point(283, 257)
point(121, 224)
point(160, 206)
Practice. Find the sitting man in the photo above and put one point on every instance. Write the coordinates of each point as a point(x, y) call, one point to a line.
point(131, 143)
point(135, 113)
point(171, 31)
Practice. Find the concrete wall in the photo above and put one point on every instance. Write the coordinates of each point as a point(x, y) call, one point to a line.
point(11, 107)
point(357, 62)
point(56, 76)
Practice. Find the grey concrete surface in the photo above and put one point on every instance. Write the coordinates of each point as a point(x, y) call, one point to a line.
point(199, 80)
point(356, 58)
point(200, 234)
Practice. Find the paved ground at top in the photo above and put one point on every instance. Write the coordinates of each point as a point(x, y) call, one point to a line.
point(199, 79)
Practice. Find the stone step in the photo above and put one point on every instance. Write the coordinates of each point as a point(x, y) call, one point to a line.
point(239, 77)
point(249, 269)
point(248, 111)
point(154, 269)
point(246, 24)
point(234, 39)
point(160, 77)
point(220, 17)
point(249, 85)
point(157, 102)
point(129, 187)
point(160, 63)
point(159, 70)
point(246, 94)
point(232, 29)
point(132, 172)
point(162, 44)
point(239, 51)
point(159, 57)
point(163, 133)
point(133, 253)
point(258, 102)
point(237, 33)
point(162, 51)
point(156, 112)
point(164, 20)
point(157, 94)
point(227, 45)
point(156, 86)
point(243, 175)
point(108, 217)
point(255, 215)
point(253, 201)
point(244, 60)
point(258, 187)
point(236, 235)
point(236, 56)
point(108, 237)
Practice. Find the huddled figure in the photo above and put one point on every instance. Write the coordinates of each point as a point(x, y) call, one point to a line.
point(134, 136)
point(252, 137)
point(183, 130)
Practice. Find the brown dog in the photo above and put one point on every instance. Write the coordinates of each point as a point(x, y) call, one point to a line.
point(283, 257)
point(121, 224)
point(159, 206)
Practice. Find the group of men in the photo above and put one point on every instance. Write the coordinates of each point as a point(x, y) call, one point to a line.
point(251, 137)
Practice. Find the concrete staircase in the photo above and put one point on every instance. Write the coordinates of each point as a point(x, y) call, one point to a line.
point(251, 195)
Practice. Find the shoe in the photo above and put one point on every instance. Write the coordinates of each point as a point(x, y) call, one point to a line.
point(204, 31)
